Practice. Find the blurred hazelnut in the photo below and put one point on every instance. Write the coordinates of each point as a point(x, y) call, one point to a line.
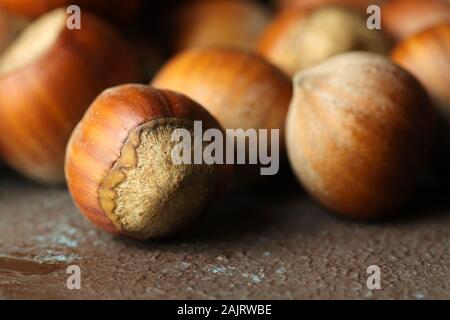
point(403, 18)
point(48, 78)
point(298, 40)
point(228, 23)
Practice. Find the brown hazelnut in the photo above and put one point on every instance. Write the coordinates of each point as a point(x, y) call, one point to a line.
point(427, 56)
point(119, 167)
point(403, 18)
point(299, 39)
point(48, 78)
point(359, 132)
point(227, 23)
point(239, 88)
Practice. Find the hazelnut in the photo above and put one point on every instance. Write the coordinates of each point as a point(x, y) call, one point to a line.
point(228, 23)
point(119, 167)
point(359, 132)
point(239, 88)
point(403, 18)
point(427, 56)
point(48, 78)
point(298, 40)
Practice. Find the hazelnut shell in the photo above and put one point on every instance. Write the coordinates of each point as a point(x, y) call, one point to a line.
point(119, 167)
point(359, 133)
point(403, 18)
point(299, 39)
point(48, 78)
point(227, 23)
point(239, 88)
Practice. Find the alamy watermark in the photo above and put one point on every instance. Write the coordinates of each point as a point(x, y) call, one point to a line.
point(74, 280)
point(374, 21)
point(374, 280)
point(238, 146)
point(73, 21)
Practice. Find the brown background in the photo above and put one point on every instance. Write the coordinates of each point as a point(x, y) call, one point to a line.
point(269, 243)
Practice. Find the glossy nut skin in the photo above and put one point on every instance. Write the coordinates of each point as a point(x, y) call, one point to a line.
point(98, 142)
point(298, 39)
point(404, 18)
point(42, 101)
point(118, 9)
point(240, 89)
point(427, 56)
point(359, 132)
point(228, 23)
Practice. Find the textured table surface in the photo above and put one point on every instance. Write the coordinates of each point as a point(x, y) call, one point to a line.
point(271, 242)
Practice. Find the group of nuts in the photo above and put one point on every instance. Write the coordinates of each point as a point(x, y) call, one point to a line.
point(359, 126)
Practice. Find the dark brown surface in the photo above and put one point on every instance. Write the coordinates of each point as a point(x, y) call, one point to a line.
point(272, 243)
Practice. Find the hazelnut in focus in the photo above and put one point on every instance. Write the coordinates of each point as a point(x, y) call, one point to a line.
point(300, 39)
point(359, 134)
point(119, 164)
point(48, 78)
